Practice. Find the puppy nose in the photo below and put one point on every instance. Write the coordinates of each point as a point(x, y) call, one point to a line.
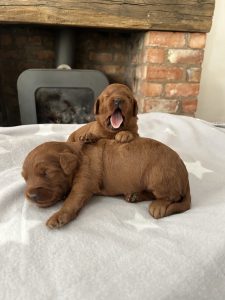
point(32, 196)
point(117, 102)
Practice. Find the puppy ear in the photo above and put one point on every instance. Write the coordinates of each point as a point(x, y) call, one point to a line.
point(96, 107)
point(68, 162)
point(135, 108)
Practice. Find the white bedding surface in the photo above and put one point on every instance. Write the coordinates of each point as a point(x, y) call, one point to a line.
point(116, 250)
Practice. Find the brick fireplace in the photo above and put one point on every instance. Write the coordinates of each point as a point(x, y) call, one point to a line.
point(163, 68)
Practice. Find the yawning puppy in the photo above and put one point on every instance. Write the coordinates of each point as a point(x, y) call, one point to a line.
point(56, 170)
point(116, 116)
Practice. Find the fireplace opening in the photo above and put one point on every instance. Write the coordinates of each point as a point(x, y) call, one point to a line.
point(62, 95)
point(163, 69)
point(64, 105)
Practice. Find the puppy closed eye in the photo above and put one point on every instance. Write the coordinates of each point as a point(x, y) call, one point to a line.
point(48, 173)
point(44, 173)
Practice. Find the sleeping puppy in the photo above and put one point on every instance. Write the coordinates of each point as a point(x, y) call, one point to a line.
point(75, 171)
point(116, 116)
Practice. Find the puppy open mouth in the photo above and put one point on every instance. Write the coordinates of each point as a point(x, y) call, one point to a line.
point(116, 119)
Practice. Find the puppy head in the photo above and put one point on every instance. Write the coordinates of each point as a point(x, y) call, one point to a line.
point(116, 108)
point(49, 170)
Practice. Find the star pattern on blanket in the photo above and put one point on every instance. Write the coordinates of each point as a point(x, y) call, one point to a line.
point(170, 131)
point(197, 169)
point(44, 129)
point(141, 223)
point(16, 229)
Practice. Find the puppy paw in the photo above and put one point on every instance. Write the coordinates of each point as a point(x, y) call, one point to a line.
point(158, 208)
point(88, 138)
point(124, 137)
point(132, 198)
point(59, 219)
point(139, 197)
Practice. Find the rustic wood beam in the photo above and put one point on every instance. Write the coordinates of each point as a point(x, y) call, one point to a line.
point(172, 15)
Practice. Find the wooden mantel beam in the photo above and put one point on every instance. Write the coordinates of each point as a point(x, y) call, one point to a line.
point(172, 15)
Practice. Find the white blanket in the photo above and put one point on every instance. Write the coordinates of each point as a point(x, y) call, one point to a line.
point(114, 249)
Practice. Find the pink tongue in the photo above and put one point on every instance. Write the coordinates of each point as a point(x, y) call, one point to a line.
point(116, 119)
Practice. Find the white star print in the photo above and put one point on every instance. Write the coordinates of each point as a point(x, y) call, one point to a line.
point(16, 230)
point(197, 169)
point(170, 131)
point(141, 223)
point(45, 129)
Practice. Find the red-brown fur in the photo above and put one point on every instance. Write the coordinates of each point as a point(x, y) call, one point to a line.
point(104, 108)
point(106, 168)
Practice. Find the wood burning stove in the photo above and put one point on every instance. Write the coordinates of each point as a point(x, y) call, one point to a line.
point(58, 96)
point(61, 95)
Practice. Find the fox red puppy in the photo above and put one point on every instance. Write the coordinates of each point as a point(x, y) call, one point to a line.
point(74, 172)
point(116, 116)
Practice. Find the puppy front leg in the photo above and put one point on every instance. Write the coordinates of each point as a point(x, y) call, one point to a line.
point(89, 138)
point(74, 202)
point(125, 136)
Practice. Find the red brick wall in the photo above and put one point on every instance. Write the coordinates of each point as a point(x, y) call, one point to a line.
point(162, 68)
point(105, 51)
point(168, 72)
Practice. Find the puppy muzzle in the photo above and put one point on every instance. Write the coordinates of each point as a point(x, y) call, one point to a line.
point(117, 103)
point(41, 196)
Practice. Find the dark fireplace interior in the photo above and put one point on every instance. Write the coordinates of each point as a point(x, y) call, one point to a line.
point(25, 47)
point(64, 105)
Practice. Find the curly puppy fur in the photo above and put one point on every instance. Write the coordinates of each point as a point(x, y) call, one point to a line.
point(75, 172)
